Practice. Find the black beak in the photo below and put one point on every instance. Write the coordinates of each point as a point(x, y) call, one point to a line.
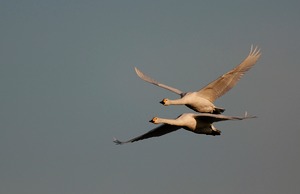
point(162, 102)
point(151, 121)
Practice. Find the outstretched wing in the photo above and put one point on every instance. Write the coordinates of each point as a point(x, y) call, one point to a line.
point(152, 81)
point(211, 118)
point(227, 81)
point(159, 131)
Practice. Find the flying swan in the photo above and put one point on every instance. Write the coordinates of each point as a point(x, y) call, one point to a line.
point(202, 100)
point(200, 123)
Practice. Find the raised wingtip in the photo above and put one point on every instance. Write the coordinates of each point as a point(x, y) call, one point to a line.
point(255, 51)
point(138, 72)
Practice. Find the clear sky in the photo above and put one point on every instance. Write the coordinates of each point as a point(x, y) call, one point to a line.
point(68, 86)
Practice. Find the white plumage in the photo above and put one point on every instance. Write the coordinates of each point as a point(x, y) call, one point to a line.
point(202, 100)
point(200, 123)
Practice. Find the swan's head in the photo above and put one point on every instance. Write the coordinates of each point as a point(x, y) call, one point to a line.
point(165, 102)
point(154, 120)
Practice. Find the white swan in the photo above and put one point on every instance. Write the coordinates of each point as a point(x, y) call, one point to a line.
point(200, 123)
point(202, 100)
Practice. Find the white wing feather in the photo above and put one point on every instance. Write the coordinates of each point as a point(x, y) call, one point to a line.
point(152, 81)
point(227, 81)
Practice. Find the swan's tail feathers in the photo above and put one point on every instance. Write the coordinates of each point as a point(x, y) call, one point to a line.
point(118, 142)
point(218, 110)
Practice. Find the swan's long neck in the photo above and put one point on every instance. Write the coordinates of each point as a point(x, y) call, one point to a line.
point(177, 102)
point(169, 121)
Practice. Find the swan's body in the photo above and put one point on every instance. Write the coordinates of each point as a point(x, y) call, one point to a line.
point(200, 123)
point(202, 100)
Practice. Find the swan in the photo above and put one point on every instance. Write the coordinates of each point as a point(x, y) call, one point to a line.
point(200, 123)
point(202, 100)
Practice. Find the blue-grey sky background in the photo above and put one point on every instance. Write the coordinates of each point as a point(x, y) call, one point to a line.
point(67, 87)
